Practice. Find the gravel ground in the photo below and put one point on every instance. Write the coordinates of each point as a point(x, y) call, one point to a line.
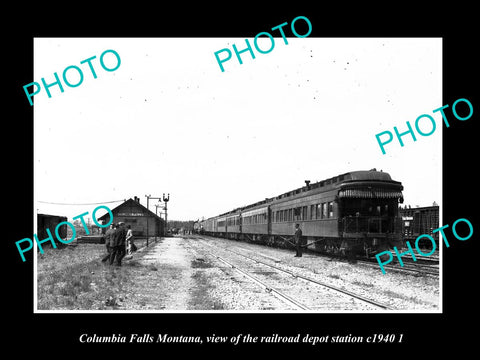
point(397, 290)
point(192, 281)
point(178, 274)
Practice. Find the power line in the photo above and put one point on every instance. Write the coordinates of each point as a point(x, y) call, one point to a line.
point(99, 203)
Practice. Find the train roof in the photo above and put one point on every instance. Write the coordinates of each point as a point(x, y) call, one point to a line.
point(368, 175)
point(360, 175)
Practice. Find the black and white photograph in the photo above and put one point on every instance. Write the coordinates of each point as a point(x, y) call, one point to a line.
point(258, 188)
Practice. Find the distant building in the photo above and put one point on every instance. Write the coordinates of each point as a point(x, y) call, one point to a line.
point(132, 213)
point(420, 220)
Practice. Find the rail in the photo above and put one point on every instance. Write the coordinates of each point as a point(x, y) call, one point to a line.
point(269, 289)
point(310, 280)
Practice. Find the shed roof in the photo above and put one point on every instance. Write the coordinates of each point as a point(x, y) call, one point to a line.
point(129, 204)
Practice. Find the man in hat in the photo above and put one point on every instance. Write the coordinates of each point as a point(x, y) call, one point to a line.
point(298, 240)
point(109, 237)
point(118, 244)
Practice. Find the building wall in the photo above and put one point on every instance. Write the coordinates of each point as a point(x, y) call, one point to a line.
point(50, 222)
point(138, 217)
point(139, 225)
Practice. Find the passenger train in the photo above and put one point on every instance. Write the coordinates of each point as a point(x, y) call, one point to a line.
point(352, 213)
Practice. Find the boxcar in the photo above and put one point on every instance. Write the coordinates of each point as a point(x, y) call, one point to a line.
point(50, 222)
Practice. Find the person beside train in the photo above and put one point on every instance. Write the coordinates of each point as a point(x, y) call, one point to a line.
point(109, 234)
point(118, 244)
point(298, 240)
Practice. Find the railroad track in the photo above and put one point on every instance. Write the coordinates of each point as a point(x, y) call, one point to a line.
point(323, 287)
point(282, 296)
point(423, 266)
point(408, 268)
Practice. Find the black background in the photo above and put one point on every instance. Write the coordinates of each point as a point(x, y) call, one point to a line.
point(423, 333)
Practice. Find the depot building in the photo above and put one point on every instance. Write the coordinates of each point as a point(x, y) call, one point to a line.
point(141, 220)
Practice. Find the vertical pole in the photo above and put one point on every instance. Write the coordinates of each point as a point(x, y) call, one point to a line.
point(165, 200)
point(148, 197)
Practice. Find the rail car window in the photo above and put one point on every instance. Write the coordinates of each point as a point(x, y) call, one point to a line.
point(318, 211)
point(324, 210)
point(369, 207)
point(304, 213)
point(290, 215)
point(312, 212)
point(330, 209)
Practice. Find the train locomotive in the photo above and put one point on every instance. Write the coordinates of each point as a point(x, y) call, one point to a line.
point(352, 213)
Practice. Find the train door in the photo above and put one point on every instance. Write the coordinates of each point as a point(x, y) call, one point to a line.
point(269, 221)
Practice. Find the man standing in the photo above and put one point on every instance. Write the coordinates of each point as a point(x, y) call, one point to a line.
point(298, 240)
point(119, 244)
point(129, 240)
point(109, 242)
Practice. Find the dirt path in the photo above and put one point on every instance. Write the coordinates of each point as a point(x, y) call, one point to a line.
point(173, 264)
point(172, 275)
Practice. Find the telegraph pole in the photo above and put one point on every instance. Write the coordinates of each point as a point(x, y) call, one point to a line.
point(148, 215)
point(156, 213)
point(165, 200)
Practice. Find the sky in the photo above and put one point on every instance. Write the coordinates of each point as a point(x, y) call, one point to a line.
point(168, 120)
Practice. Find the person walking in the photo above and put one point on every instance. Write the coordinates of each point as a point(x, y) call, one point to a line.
point(298, 240)
point(119, 244)
point(109, 234)
point(129, 239)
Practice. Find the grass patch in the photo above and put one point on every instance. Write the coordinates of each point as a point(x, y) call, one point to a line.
point(360, 283)
point(201, 299)
point(200, 263)
point(76, 279)
point(152, 267)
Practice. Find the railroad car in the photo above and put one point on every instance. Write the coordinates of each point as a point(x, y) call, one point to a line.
point(355, 212)
point(45, 221)
point(418, 221)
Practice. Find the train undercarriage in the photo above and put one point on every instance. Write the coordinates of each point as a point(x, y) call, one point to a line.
point(349, 245)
